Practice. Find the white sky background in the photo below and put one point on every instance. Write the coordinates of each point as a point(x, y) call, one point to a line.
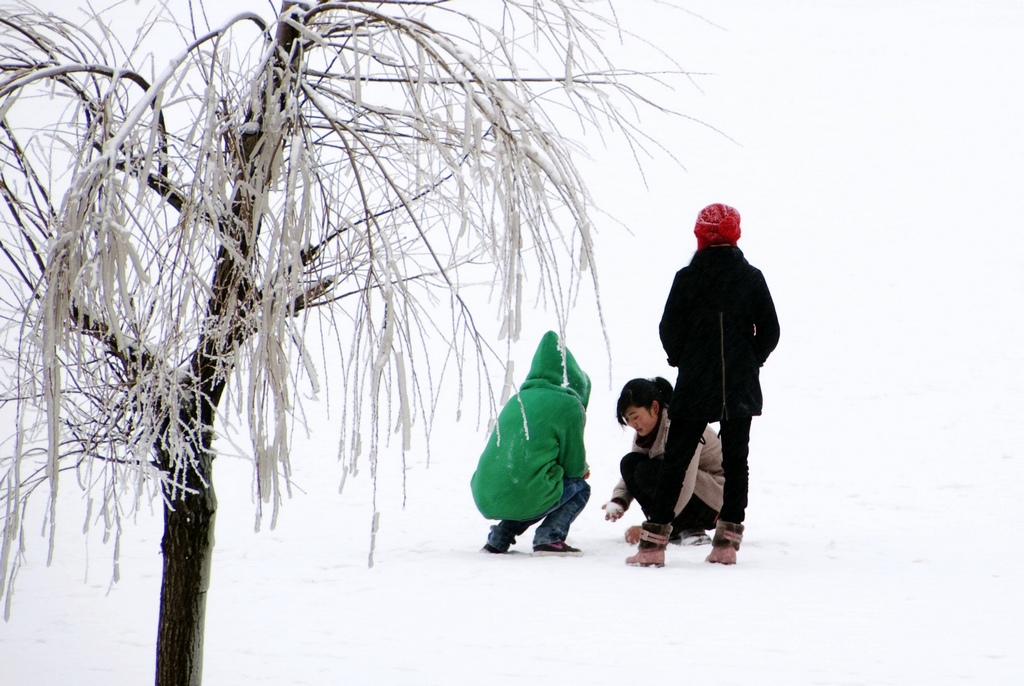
point(876, 158)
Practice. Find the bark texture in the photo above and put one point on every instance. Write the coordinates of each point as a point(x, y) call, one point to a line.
point(188, 553)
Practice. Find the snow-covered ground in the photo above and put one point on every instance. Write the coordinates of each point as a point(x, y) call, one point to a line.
point(877, 160)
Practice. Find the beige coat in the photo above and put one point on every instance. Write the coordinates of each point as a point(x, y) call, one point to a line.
point(704, 477)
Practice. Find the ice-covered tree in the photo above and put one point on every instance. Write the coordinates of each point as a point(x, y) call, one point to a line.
point(173, 232)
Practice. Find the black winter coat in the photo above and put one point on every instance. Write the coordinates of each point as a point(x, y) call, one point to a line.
point(718, 328)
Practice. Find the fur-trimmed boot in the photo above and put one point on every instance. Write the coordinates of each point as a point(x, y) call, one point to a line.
point(726, 542)
point(653, 540)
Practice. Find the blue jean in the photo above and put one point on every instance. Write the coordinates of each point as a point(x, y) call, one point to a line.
point(557, 519)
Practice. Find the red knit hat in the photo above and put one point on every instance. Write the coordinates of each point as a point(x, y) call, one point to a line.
point(717, 224)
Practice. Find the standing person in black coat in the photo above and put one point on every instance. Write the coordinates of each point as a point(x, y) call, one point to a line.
point(718, 328)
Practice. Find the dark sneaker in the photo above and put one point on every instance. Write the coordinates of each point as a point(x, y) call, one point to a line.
point(560, 549)
point(488, 548)
point(691, 537)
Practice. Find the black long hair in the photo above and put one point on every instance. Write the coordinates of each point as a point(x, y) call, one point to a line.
point(643, 393)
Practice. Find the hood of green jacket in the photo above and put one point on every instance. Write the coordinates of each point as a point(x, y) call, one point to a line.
point(554, 366)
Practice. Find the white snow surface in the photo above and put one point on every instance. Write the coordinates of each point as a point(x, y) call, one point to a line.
point(877, 160)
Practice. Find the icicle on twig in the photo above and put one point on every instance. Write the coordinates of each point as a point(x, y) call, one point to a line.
point(373, 538)
point(403, 399)
point(506, 390)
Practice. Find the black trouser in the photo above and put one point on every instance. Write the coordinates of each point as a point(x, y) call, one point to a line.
point(642, 476)
point(683, 438)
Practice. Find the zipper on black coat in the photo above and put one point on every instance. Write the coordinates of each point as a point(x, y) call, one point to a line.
point(721, 352)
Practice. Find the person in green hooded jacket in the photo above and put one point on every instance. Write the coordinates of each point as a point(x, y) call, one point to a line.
point(535, 464)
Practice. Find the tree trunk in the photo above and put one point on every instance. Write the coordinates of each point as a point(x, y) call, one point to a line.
point(188, 554)
point(189, 512)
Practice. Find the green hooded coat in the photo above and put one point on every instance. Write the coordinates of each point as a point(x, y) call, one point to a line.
point(538, 439)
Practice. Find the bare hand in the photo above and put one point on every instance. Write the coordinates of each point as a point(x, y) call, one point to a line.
point(612, 511)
